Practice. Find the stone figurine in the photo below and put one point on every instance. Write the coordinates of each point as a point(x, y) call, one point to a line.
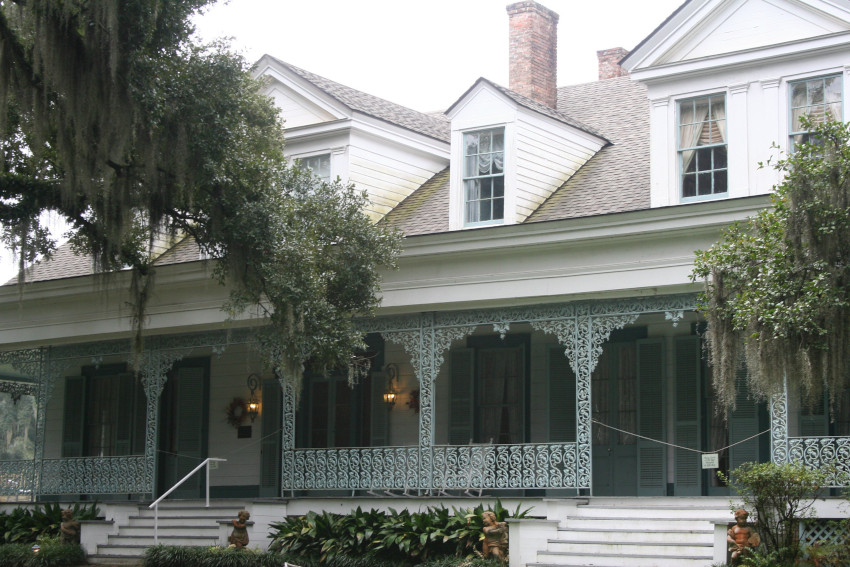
point(239, 537)
point(69, 529)
point(495, 544)
point(741, 537)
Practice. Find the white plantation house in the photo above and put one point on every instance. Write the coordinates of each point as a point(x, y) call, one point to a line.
point(542, 313)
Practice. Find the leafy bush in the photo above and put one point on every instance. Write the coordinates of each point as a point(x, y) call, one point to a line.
point(52, 553)
point(777, 497)
point(174, 556)
point(23, 525)
point(377, 538)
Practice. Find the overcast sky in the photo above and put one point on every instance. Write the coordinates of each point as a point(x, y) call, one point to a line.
point(424, 54)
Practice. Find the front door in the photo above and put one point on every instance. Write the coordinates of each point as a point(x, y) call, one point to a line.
point(183, 428)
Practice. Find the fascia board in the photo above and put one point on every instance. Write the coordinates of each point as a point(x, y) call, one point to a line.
point(750, 57)
point(306, 89)
point(560, 232)
point(321, 130)
point(391, 133)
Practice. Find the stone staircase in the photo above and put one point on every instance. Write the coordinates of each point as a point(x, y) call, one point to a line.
point(636, 532)
point(183, 523)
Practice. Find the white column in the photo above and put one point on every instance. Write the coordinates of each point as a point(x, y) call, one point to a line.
point(737, 137)
point(772, 124)
point(664, 190)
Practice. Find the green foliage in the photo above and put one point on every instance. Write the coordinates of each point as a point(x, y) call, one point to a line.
point(778, 497)
point(777, 286)
point(137, 137)
point(23, 525)
point(174, 556)
point(52, 553)
point(377, 538)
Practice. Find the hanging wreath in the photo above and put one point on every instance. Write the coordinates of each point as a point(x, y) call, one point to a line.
point(236, 412)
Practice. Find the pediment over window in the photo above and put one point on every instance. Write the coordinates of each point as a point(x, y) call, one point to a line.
point(703, 29)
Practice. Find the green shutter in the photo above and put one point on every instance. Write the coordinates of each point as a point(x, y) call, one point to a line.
point(270, 445)
point(73, 416)
point(380, 415)
point(688, 465)
point(562, 397)
point(743, 424)
point(124, 427)
point(189, 384)
point(651, 455)
point(461, 390)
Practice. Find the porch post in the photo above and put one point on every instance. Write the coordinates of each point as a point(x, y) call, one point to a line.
point(287, 437)
point(427, 372)
point(779, 427)
point(154, 370)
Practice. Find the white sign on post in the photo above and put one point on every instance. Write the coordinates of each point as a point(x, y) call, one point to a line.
point(710, 461)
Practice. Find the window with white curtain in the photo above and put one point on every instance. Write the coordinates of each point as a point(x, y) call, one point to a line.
point(819, 99)
point(484, 176)
point(703, 147)
point(320, 164)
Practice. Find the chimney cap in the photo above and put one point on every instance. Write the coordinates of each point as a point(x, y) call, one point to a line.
point(531, 6)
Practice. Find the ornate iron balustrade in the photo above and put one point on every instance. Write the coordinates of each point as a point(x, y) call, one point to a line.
point(95, 475)
point(17, 479)
point(357, 468)
point(495, 467)
point(829, 454)
point(533, 465)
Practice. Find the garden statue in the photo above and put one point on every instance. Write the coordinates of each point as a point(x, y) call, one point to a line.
point(495, 544)
point(741, 537)
point(69, 529)
point(239, 537)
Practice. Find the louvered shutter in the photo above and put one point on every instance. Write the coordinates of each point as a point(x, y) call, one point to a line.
point(73, 416)
point(562, 398)
point(124, 425)
point(190, 427)
point(651, 456)
point(688, 464)
point(380, 413)
point(270, 445)
point(743, 423)
point(461, 390)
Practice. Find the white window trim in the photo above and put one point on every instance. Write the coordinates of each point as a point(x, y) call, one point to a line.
point(840, 74)
point(677, 152)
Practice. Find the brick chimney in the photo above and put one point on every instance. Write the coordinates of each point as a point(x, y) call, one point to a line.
point(533, 31)
point(609, 63)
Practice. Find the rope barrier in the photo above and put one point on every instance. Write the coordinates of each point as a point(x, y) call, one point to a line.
point(597, 422)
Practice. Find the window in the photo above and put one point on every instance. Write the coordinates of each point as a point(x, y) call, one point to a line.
point(702, 146)
point(484, 176)
point(819, 99)
point(320, 164)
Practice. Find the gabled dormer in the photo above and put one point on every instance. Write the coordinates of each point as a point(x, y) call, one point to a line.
point(383, 148)
point(727, 79)
point(509, 154)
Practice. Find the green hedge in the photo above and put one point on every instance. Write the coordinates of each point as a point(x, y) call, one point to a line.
point(173, 556)
point(24, 525)
point(51, 554)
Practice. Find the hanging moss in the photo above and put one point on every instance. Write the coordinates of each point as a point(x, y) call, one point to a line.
point(777, 298)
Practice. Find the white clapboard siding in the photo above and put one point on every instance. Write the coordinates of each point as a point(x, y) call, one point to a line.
point(297, 110)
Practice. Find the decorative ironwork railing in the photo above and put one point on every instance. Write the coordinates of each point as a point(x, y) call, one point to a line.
point(356, 468)
point(16, 480)
point(828, 454)
point(94, 475)
point(455, 467)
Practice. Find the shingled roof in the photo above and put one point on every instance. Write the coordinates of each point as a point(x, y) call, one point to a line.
point(432, 125)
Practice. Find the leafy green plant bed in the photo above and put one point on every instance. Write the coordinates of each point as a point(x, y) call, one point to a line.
point(173, 556)
point(51, 553)
point(436, 538)
point(23, 525)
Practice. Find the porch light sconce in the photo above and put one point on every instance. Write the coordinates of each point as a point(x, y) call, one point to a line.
point(392, 384)
point(253, 404)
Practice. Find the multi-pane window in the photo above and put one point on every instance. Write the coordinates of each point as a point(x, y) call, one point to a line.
point(320, 164)
point(819, 99)
point(702, 146)
point(484, 176)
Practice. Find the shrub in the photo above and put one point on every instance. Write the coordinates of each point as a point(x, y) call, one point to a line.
point(52, 553)
point(378, 538)
point(777, 497)
point(174, 556)
point(23, 525)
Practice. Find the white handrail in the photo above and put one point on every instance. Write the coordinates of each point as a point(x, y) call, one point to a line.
point(155, 504)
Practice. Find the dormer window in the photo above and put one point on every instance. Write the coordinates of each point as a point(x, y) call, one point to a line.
point(320, 164)
point(819, 99)
point(702, 147)
point(484, 176)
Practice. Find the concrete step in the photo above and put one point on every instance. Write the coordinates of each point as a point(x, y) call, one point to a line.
point(630, 549)
point(563, 559)
point(636, 522)
point(163, 538)
point(654, 512)
point(176, 521)
point(625, 535)
point(132, 530)
point(123, 550)
point(114, 560)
